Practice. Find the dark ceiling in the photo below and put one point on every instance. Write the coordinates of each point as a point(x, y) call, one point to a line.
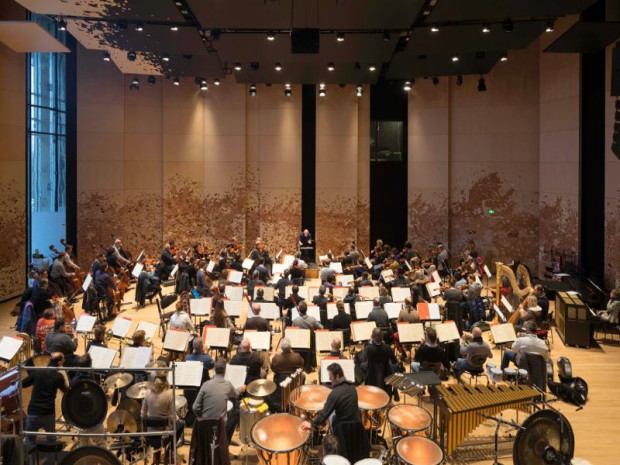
point(395, 35)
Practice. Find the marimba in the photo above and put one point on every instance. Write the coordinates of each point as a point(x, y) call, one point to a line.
point(458, 407)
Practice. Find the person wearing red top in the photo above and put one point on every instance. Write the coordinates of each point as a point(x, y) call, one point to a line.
point(45, 325)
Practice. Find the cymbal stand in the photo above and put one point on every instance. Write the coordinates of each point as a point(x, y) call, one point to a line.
point(214, 445)
point(499, 422)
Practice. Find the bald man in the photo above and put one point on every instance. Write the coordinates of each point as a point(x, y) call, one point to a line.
point(336, 348)
point(245, 356)
point(255, 321)
point(474, 354)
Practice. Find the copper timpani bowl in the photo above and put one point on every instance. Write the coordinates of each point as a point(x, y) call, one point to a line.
point(416, 450)
point(279, 434)
point(310, 397)
point(407, 420)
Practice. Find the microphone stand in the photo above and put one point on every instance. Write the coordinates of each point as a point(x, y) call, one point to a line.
point(214, 445)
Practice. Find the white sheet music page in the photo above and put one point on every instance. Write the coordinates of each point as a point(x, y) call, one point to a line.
point(176, 340)
point(259, 340)
point(339, 292)
point(216, 337)
point(269, 310)
point(137, 270)
point(362, 330)
point(233, 307)
point(186, 374)
point(344, 279)
point(503, 333)
point(323, 339)
point(368, 292)
point(235, 276)
point(174, 270)
point(247, 264)
point(121, 326)
point(336, 266)
point(363, 309)
point(149, 328)
point(102, 357)
point(499, 313)
point(9, 346)
point(392, 309)
point(507, 304)
point(236, 375)
point(312, 291)
point(410, 332)
point(447, 332)
point(368, 263)
point(332, 311)
point(135, 357)
point(278, 268)
point(400, 293)
point(433, 311)
point(436, 277)
point(303, 291)
point(85, 323)
point(87, 281)
point(314, 311)
point(487, 271)
point(200, 307)
point(300, 338)
point(288, 260)
point(348, 367)
point(388, 275)
point(234, 292)
point(210, 266)
point(434, 289)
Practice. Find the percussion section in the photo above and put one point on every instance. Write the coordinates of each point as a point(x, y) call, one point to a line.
point(409, 420)
point(85, 405)
point(280, 440)
point(415, 450)
point(373, 403)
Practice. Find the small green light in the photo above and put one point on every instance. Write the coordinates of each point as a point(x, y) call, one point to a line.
point(490, 211)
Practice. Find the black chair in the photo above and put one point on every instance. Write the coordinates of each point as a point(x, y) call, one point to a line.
point(164, 320)
point(48, 447)
point(202, 437)
point(477, 369)
point(536, 367)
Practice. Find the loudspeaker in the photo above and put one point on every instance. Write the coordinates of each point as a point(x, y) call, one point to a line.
point(305, 41)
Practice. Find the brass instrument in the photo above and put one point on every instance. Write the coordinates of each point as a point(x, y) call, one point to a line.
point(504, 270)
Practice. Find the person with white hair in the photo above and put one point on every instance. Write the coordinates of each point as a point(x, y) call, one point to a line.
point(287, 361)
point(255, 321)
point(245, 356)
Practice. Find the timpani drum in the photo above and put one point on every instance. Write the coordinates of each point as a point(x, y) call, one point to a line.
point(309, 399)
point(373, 403)
point(416, 450)
point(496, 375)
point(409, 420)
point(279, 440)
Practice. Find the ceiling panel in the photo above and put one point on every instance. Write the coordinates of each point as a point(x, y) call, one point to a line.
point(405, 67)
point(586, 37)
point(301, 73)
point(154, 10)
point(459, 39)
point(25, 36)
point(242, 14)
point(458, 10)
point(370, 14)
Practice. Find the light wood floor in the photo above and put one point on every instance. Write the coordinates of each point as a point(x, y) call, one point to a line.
point(596, 427)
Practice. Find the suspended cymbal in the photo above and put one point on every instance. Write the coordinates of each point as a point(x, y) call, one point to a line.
point(138, 390)
point(118, 381)
point(121, 421)
point(261, 388)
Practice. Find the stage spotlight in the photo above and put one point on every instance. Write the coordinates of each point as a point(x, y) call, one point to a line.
point(550, 25)
point(407, 86)
point(62, 25)
point(165, 57)
point(139, 27)
point(372, 67)
point(330, 67)
point(485, 28)
point(455, 58)
point(132, 55)
point(435, 81)
point(216, 81)
point(508, 25)
point(237, 66)
point(253, 90)
point(278, 66)
point(176, 81)
point(482, 86)
point(340, 36)
point(204, 85)
point(434, 29)
point(459, 80)
point(322, 90)
point(287, 90)
point(151, 81)
point(174, 28)
point(106, 56)
point(504, 57)
point(359, 90)
point(271, 36)
point(386, 37)
point(135, 83)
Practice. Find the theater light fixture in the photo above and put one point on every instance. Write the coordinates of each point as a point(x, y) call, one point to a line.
point(106, 56)
point(386, 37)
point(132, 55)
point(407, 86)
point(237, 66)
point(165, 57)
point(204, 85)
point(139, 27)
point(550, 25)
point(216, 81)
point(174, 28)
point(330, 67)
point(504, 57)
point(271, 36)
point(485, 28)
point(455, 58)
point(372, 67)
point(340, 36)
point(434, 29)
point(359, 90)
point(135, 83)
point(322, 90)
point(62, 25)
point(253, 90)
point(287, 90)
point(278, 66)
point(176, 81)
point(151, 81)
point(508, 25)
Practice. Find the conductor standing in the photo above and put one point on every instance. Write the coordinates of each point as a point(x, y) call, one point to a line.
point(306, 246)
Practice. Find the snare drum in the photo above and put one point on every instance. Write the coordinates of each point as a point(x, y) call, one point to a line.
point(369, 461)
point(496, 375)
point(309, 399)
point(373, 403)
point(409, 420)
point(335, 460)
point(279, 440)
point(522, 376)
point(490, 367)
point(416, 450)
point(180, 405)
point(248, 416)
point(510, 375)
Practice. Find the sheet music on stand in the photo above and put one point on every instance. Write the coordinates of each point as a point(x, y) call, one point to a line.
point(236, 374)
point(186, 374)
point(216, 338)
point(368, 263)
point(332, 311)
point(269, 310)
point(387, 275)
point(507, 304)
point(392, 309)
point(121, 327)
point(259, 340)
point(362, 330)
point(428, 312)
point(234, 292)
point(447, 332)
point(85, 323)
point(137, 270)
point(400, 293)
point(149, 328)
point(303, 291)
point(87, 281)
point(323, 339)
point(408, 265)
point(174, 270)
point(410, 332)
point(232, 307)
point(135, 357)
point(436, 277)
point(210, 266)
point(347, 365)
point(9, 346)
point(363, 309)
point(278, 268)
point(313, 310)
point(247, 264)
point(268, 292)
point(503, 333)
point(344, 279)
point(288, 260)
point(323, 258)
point(102, 357)
point(339, 292)
point(235, 276)
point(313, 291)
point(336, 266)
point(176, 340)
point(434, 289)
point(300, 338)
point(368, 292)
point(201, 307)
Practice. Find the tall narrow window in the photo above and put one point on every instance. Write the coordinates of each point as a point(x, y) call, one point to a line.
point(47, 145)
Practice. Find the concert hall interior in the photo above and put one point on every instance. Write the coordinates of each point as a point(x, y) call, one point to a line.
point(226, 220)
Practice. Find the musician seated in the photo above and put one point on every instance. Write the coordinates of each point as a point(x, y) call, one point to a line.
point(297, 274)
point(293, 300)
point(342, 322)
point(260, 296)
point(252, 283)
point(138, 339)
point(98, 337)
point(336, 349)
point(45, 325)
point(118, 253)
point(527, 343)
point(365, 281)
point(451, 293)
point(198, 355)
point(351, 298)
point(305, 321)
point(42, 406)
point(529, 310)
point(430, 353)
point(211, 401)
point(105, 286)
point(255, 321)
point(326, 273)
point(84, 361)
point(474, 352)
point(203, 286)
point(41, 296)
point(59, 276)
point(252, 360)
point(384, 295)
point(610, 315)
point(286, 362)
point(263, 271)
point(181, 320)
point(321, 301)
point(360, 269)
point(281, 286)
point(301, 263)
point(166, 263)
point(59, 341)
point(378, 314)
